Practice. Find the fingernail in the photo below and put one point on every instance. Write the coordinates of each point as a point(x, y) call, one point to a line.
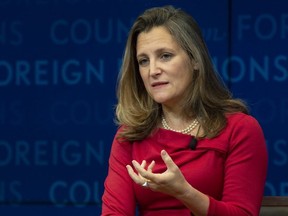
point(164, 152)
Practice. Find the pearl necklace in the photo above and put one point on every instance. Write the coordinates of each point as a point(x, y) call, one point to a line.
point(184, 131)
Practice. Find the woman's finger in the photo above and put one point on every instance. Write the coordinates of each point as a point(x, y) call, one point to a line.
point(167, 160)
point(151, 166)
point(135, 177)
point(143, 164)
point(142, 171)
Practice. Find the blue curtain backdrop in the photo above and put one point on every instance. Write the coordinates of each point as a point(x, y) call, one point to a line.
point(59, 61)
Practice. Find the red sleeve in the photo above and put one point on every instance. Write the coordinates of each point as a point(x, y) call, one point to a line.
point(118, 197)
point(245, 170)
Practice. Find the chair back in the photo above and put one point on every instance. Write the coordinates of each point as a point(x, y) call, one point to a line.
point(274, 206)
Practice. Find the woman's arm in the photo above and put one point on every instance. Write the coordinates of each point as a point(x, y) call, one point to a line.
point(118, 197)
point(245, 171)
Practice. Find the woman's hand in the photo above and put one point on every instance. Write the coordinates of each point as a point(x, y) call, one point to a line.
point(171, 182)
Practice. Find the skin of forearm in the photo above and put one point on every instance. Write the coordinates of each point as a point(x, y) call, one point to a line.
point(197, 202)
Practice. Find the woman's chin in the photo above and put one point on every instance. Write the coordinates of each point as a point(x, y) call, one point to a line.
point(162, 101)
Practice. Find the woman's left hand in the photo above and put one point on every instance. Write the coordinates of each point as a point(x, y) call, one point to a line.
point(171, 182)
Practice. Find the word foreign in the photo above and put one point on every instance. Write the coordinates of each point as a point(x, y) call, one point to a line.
point(51, 72)
point(44, 153)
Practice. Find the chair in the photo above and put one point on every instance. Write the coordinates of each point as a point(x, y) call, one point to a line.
point(274, 206)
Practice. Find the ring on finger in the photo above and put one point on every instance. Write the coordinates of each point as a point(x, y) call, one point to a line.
point(145, 184)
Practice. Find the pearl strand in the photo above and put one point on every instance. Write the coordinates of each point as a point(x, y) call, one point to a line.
point(184, 131)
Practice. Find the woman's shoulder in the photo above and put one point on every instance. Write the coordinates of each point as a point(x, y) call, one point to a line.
point(242, 123)
point(118, 135)
point(240, 118)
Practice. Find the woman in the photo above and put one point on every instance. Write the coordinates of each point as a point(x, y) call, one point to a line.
point(184, 145)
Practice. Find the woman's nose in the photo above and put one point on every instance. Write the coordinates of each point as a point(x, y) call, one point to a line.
point(154, 69)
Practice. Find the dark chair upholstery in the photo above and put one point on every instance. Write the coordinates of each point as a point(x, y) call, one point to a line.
point(274, 206)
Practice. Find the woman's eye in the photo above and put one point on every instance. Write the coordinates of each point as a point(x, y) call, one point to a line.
point(142, 62)
point(166, 56)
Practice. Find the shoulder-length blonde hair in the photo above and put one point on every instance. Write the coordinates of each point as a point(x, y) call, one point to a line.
point(207, 98)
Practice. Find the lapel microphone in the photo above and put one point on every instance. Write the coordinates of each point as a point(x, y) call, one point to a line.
point(194, 141)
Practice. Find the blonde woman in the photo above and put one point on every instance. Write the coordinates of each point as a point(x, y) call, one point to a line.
point(184, 146)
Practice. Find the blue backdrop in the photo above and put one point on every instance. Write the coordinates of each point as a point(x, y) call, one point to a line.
point(59, 61)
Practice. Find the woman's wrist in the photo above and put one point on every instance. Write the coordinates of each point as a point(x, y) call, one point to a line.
point(187, 192)
point(196, 201)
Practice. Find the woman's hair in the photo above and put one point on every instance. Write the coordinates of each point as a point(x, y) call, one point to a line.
point(207, 98)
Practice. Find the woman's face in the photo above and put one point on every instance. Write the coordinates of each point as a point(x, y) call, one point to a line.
point(164, 66)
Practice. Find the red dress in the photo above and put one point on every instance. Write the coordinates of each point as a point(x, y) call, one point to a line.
point(230, 168)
